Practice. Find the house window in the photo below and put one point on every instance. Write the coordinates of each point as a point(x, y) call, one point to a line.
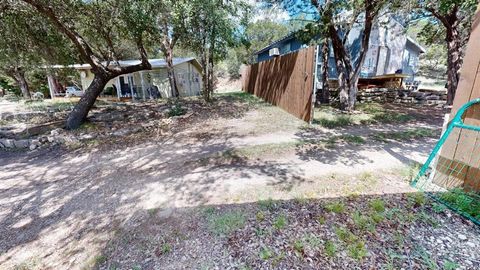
point(285, 48)
point(413, 61)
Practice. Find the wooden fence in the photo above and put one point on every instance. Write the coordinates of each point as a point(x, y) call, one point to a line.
point(285, 81)
point(462, 150)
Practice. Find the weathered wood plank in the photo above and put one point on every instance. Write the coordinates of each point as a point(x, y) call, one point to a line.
point(285, 81)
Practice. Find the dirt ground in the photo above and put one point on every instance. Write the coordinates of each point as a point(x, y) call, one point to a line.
point(186, 192)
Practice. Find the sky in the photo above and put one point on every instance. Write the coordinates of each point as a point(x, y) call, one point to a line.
point(284, 10)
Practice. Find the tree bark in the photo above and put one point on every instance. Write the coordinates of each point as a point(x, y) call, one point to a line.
point(18, 75)
point(171, 72)
point(454, 63)
point(451, 22)
point(325, 97)
point(81, 109)
point(348, 75)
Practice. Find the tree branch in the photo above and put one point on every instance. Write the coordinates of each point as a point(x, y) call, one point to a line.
point(83, 47)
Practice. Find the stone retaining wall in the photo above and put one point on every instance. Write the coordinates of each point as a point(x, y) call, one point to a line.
point(429, 97)
point(388, 95)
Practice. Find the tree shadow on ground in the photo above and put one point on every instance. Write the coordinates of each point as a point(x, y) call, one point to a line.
point(337, 151)
point(72, 196)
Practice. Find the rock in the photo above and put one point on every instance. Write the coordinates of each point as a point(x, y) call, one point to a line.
point(33, 146)
point(86, 137)
point(43, 139)
point(56, 132)
point(462, 237)
point(7, 143)
point(22, 143)
point(50, 139)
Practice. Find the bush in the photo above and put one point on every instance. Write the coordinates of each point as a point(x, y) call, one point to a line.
point(176, 110)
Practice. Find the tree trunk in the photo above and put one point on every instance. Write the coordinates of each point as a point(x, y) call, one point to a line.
point(171, 72)
point(325, 97)
point(205, 75)
point(211, 76)
point(79, 113)
point(453, 63)
point(19, 76)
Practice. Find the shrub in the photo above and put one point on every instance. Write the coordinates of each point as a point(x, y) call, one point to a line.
point(176, 110)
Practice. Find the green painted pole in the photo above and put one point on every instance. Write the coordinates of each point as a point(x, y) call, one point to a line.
point(457, 122)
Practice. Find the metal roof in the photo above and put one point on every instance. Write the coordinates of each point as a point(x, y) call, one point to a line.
point(416, 44)
point(156, 63)
point(289, 36)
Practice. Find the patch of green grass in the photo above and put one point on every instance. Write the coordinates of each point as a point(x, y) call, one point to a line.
point(427, 260)
point(312, 240)
point(301, 199)
point(260, 216)
point(56, 106)
point(426, 218)
point(224, 224)
point(352, 139)
point(321, 220)
point(416, 199)
point(465, 202)
point(260, 232)
point(208, 210)
point(298, 247)
point(345, 235)
point(268, 204)
point(333, 122)
point(176, 110)
point(87, 126)
point(377, 217)
point(166, 248)
point(335, 207)
point(377, 205)
point(99, 259)
point(363, 222)
point(266, 253)
point(438, 207)
point(408, 173)
point(368, 177)
point(152, 211)
point(449, 265)
point(242, 97)
point(392, 117)
point(330, 248)
point(280, 222)
point(357, 250)
point(407, 135)
point(371, 108)
point(277, 259)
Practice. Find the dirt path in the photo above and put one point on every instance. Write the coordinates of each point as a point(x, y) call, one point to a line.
point(57, 208)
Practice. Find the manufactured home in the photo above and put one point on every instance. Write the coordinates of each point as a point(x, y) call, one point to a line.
point(145, 84)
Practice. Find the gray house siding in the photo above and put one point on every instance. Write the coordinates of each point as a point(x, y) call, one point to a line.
point(389, 49)
point(285, 46)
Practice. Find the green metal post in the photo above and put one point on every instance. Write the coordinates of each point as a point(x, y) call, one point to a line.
point(457, 122)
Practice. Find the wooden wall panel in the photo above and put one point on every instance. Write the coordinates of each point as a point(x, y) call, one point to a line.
point(285, 81)
point(461, 151)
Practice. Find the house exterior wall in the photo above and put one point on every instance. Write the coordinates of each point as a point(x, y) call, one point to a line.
point(189, 81)
point(286, 46)
point(410, 60)
point(385, 54)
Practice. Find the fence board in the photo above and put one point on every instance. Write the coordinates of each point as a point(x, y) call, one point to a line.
point(461, 149)
point(285, 81)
